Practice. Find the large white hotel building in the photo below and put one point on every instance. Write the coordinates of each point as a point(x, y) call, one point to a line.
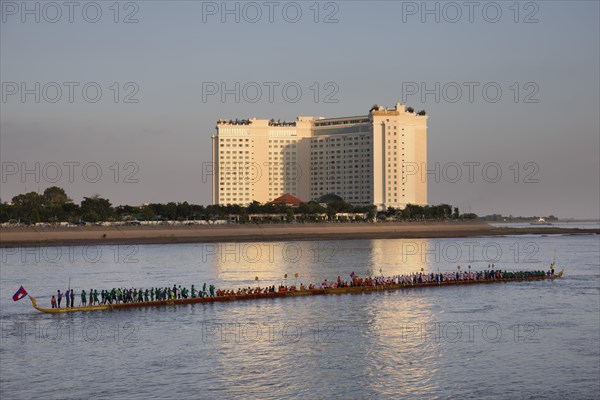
point(370, 159)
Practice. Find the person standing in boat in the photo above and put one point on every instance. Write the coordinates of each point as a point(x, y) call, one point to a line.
point(59, 297)
point(53, 302)
point(72, 298)
point(83, 298)
point(68, 297)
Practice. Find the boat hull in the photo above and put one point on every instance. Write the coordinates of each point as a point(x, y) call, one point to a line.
point(312, 292)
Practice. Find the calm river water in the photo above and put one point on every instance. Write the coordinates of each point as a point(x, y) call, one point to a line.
point(513, 340)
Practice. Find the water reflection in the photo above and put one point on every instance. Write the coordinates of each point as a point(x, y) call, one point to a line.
point(398, 257)
point(362, 329)
point(241, 263)
point(378, 345)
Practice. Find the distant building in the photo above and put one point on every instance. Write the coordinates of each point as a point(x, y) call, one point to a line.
point(288, 200)
point(372, 159)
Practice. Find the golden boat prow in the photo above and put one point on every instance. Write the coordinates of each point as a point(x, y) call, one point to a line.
point(308, 292)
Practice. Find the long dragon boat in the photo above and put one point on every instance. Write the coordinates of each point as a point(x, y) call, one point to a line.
point(287, 293)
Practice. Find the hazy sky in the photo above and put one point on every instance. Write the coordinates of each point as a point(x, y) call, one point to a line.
point(541, 131)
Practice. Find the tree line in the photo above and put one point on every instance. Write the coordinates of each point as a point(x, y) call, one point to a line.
point(54, 206)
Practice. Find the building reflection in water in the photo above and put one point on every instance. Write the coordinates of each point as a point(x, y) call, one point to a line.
point(356, 326)
point(314, 261)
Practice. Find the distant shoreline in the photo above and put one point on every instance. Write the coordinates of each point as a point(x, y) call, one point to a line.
point(35, 236)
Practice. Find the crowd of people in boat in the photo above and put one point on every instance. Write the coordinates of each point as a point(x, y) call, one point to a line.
point(131, 295)
point(134, 295)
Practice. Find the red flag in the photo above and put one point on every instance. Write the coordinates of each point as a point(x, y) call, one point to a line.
point(20, 294)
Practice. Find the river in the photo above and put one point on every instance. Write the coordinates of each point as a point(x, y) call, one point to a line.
point(506, 340)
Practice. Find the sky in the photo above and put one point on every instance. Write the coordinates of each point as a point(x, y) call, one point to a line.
point(121, 99)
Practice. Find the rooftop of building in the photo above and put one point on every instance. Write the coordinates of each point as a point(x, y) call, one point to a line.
point(376, 110)
point(287, 199)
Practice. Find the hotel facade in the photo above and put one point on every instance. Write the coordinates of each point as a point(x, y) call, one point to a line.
point(375, 159)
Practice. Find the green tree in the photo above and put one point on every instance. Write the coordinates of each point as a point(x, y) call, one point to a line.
point(147, 213)
point(95, 208)
point(72, 212)
point(171, 211)
point(254, 207)
point(289, 215)
point(6, 212)
point(183, 211)
point(372, 211)
point(29, 207)
point(31, 200)
point(56, 197)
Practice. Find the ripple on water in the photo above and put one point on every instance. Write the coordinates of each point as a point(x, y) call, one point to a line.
point(400, 344)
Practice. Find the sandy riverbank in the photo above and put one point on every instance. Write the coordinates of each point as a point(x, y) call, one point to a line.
point(259, 232)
